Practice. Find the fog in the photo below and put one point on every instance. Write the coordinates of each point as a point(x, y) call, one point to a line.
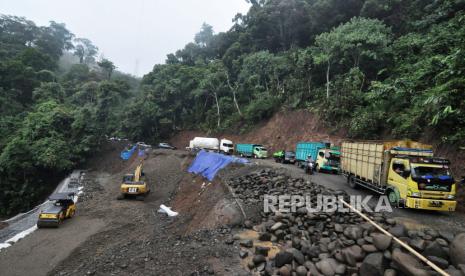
point(135, 34)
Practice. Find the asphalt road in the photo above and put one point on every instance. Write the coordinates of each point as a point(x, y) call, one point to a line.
point(413, 219)
point(28, 220)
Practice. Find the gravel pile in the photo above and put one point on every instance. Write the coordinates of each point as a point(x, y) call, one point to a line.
point(337, 243)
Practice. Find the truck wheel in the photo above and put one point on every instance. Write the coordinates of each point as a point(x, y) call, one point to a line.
point(120, 197)
point(392, 198)
point(352, 183)
point(317, 168)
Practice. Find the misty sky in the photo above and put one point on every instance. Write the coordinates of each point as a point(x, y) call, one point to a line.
point(131, 31)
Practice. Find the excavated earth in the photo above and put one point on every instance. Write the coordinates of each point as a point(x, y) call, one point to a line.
point(221, 228)
point(130, 237)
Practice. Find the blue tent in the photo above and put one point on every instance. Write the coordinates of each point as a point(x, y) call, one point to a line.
point(126, 154)
point(208, 163)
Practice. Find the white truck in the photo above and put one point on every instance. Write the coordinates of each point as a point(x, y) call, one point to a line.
point(224, 145)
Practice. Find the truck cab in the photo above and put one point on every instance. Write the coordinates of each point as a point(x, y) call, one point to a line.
point(226, 146)
point(421, 183)
point(328, 160)
point(260, 152)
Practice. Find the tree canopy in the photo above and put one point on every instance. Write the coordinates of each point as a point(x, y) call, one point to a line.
point(51, 118)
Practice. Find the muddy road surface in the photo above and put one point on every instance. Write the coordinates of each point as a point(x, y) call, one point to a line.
point(130, 237)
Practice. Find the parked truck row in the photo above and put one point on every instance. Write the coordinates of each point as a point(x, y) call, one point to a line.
point(227, 147)
point(407, 172)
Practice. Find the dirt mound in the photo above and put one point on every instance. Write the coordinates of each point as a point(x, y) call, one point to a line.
point(137, 240)
point(203, 205)
point(283, 130)
point(108, 159)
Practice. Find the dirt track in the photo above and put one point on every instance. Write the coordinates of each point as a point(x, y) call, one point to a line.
point(121, 237)
point(129, 237)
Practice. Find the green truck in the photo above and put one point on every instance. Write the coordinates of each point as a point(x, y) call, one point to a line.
point(328, 160)
point(283, 156)
point(251, 150)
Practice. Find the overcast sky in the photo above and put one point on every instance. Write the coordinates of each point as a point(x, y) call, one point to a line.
point(131, 32)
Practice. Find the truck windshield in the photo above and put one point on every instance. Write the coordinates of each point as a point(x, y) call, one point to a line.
point(261, 149)
point(335, 157)
point(442, 173)
point(290, 154)
point(228, 145)
point(433, 178)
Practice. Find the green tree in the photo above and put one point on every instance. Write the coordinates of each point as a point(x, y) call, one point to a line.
point(107, 66)
point(85, 50)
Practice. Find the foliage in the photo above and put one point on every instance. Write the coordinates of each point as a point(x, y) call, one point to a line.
point(369, 66)
point(51, 119)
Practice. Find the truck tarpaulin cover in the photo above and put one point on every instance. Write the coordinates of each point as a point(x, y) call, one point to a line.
point(126, 154)
point(208, 163)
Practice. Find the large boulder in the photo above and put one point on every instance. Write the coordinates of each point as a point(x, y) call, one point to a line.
point(434, 249)
point(353, 232)
point(408, 264)
point(381, 241)
point(373, 265)
point(298, 256)
point(398, 231)
point(283, 258)
point(457, 250)
point(352, 254)
point(327, 266)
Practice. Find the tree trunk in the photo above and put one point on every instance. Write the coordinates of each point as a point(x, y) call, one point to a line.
point(327, 79)
point(233, 89)
point(217, 108)
point(309, 85)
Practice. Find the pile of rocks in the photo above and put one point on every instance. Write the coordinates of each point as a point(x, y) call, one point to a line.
point(338, 243)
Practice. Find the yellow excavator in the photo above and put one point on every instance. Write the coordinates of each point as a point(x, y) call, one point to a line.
point(134, 185)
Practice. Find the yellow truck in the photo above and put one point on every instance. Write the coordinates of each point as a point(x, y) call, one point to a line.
point(134, 185)
point(406, 171)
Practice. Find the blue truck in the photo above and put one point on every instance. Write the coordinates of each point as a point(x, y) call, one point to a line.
point(304, 149)
point(251, 150)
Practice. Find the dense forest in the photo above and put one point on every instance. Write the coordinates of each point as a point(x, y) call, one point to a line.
point(376, 68)
point(57, 103)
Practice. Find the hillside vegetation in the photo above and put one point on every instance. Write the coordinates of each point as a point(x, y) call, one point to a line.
point(376, 68)
point(372, 68)
point(51, 117)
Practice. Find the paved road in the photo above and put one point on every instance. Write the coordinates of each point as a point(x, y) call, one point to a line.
point(454, 221)
point(28, 220)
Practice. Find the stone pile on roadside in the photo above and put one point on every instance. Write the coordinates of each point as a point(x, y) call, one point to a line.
point(337, 243)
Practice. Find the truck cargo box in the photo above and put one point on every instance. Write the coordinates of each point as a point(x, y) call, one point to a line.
point(304, 149)
point(365, 159)
point(251, 150)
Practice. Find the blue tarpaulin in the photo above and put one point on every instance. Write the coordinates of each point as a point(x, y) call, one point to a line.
point(208, 163)
point(126, 154)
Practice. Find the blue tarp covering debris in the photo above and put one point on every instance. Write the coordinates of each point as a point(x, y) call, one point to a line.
point(208, 163)
point(126, 154)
